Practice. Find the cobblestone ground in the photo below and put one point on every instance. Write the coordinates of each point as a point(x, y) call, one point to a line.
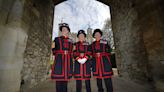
point(119, 84)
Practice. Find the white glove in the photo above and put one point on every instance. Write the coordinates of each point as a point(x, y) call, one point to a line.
point(82, 61)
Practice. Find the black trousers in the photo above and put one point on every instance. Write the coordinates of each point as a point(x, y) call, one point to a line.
point(108, 84)
point(79, 85)
point(61, 86)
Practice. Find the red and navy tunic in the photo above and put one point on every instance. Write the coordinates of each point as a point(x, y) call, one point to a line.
point(62, 68)
point(82, 71)
point(101, 65)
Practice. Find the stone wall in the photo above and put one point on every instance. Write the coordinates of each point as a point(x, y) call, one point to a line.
point(13, 38)
point(131, 56)
point(152, 24)
point(138, 33)
point(38, 14)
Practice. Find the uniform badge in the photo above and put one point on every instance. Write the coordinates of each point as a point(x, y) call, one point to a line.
point(103, 41)
point(85, 43)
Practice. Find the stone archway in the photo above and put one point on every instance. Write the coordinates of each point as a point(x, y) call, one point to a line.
point(23, 26)
point(138, 34)
point(38, 48)
point(139, 39)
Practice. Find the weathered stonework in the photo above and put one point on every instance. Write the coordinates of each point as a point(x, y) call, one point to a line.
point(38, 48)
point(138, 34)
point(13, 37)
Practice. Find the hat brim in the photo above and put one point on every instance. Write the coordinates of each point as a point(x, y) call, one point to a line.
point(81, 33)
point(60, 28)
point(99, 31)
